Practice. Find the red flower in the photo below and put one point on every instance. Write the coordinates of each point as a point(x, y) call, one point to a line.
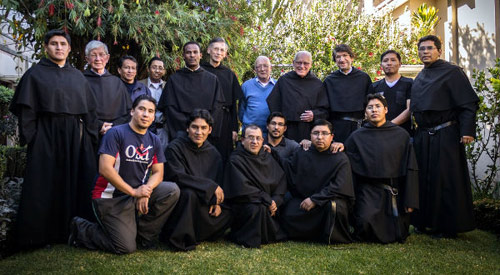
point(282, 70)
point(110, 8)
point(157, 54)
point(51, 9)
point(242, 31)
point(99, 21)
point(115, 43)
point(98, 37)
point(157, 12)
point(359, 68)
point(69, 5)
point(41, 3)
point(259, 27)
point(379, 72)
point(233, 17)
point(65, 29)
point(370, 54)
point(76, 19)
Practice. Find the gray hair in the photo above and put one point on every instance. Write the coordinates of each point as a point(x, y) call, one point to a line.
point(261, 57)
point(302, 53)
point(94, 44)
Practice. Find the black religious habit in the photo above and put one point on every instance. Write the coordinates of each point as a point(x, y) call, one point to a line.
point(186, 91)
point(347, 96)
point(396, 97)
point(385, 177)
point(444, 105)
point(251, 184)
point(293, 95)
point(197, 172)
point(57, 120)
point(326, 179)
point(232, 92)
point(113, 99)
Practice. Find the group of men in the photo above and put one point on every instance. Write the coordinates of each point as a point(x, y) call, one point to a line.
point(113, 163)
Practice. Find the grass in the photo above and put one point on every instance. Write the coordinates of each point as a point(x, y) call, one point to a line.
point(476, 252)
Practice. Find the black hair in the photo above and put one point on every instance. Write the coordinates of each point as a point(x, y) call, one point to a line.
point(376, 96)
point(126, 57)
point(143, 97)
point(275, 114)
point(322, 122)
point(388, 52)
point(342, 48)
point(156, 58)
point(435, 39)
point(191, 43)
point(250, 126)
point(56, 32)
point(200, 113)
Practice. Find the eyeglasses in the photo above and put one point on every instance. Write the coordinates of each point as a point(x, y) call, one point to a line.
point(254, 138)
point(423, 48)
point(317, 134)
point(155, 68)
point(265, 66)
point(300, 63)
point(101, 55)
point(274, 123)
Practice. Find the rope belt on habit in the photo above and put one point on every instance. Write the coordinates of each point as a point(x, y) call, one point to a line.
point(358, 121)
point(394, 193)
point(433, 130)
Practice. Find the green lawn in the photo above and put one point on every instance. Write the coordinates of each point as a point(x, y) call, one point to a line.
point(477, 252)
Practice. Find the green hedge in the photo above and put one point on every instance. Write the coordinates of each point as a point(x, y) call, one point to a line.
point(12, 161)
point(487, 212)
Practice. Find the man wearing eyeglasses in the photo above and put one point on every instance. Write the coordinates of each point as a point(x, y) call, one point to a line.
point(385, 176)
point(113, 100)
point(444, 105)
point(254, 184)
point(217, 51)
point(322, 194)
point(253, 107)
point(300, 96)
point(155, 84)
point(346, 89)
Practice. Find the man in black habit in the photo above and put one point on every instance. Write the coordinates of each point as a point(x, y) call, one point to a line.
point(217, 51)
point(57, 120)
point(254, 185)
point(385, 176)
point(444, 105)
point(346, 89)
point(190, 88)
point(322, 194)
point(113, 100)
point(196, 166)
point(300, 96)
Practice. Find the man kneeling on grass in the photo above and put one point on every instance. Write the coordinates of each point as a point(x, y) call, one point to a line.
point(128, 202)
point(322, 194)
point(255, 185)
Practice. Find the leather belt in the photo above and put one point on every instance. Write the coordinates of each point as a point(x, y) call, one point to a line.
point(394, 193)
point(432, 131)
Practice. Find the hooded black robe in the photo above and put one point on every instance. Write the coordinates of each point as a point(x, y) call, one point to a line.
point(382, 156)
point(113, 99)
point(197, 172)
point(326, 179)
point(347, 96)
point(251, 183)
point(293, 95)
point(187, 90)
point(57, 120)
point(232, 92)
point(396, 97)
point(441, 93)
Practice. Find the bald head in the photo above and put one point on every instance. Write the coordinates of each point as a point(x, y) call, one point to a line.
point(302, 63)
point(263, 68)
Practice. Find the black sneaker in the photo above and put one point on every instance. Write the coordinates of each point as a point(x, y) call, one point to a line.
point(73, 232)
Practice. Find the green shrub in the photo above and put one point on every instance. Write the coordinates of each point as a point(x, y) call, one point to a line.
point(8, 122)
point(12, 161)
point(487, 212)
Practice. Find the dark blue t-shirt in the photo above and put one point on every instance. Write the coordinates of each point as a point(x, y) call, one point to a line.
point(134, 153)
